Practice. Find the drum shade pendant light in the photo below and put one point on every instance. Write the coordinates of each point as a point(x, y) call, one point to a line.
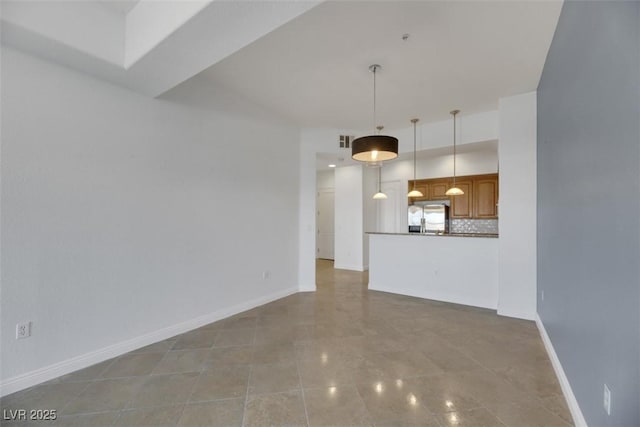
point(454, 191)
point(380, 195)
point(374, 148)
point(414, 192)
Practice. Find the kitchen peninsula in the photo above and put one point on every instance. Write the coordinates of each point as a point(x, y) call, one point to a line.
point(457, 268)
point(459, 264)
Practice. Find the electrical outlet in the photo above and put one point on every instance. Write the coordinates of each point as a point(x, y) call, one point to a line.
point(266, 274)
point(607, 400)
point(23, 330)
point(542, 296)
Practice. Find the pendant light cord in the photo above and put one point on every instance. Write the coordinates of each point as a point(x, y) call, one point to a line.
point(374, 96)
point(454, 150)
point(414, 154)
point(380, 179)
point(414, 121)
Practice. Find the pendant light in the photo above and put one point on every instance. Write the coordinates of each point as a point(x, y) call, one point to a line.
point(414, 192)
point(454, 191)
point(374, 148)
point(380, 195)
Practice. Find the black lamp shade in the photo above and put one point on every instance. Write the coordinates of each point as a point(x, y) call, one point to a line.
point(374, 148)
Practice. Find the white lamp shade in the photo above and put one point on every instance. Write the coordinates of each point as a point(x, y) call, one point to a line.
point(379, 196)
point(454, 191)
point(415, 193)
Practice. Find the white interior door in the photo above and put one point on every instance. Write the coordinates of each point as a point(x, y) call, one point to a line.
point(325, 223)
point(392, 212)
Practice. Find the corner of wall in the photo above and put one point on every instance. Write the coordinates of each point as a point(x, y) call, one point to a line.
point(567, 391)
point(517, 283)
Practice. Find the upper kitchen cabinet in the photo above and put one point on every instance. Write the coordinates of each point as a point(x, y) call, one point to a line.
point(432, 189)
point(479, 200)
point(485, 201)
point(438, 188)
point(462, 206)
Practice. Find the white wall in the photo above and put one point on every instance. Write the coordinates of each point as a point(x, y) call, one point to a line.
point(462, 270)
point(326, 179)
point(349, 218)
point(470, 128)
point(392, 211)
point(517, 151)
point(370, 213)
point(438, 166)
point(125, 219)
point(307, 216)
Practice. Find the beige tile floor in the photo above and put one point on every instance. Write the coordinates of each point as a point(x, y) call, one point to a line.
point(340, 356)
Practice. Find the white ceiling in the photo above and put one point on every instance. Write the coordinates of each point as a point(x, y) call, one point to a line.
point(314, 69)
point(121, 7)
point(149, 46)
point(300, 60)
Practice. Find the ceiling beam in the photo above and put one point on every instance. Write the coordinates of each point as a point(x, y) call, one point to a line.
point(164, 44)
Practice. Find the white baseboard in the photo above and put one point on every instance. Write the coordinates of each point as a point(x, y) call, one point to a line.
point(433, 297)
point(572, 403)
point(37, 376)
point(348, 267)
point(307, 288)
point(515, 314)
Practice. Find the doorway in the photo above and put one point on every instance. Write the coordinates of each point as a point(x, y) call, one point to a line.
point(325, 223)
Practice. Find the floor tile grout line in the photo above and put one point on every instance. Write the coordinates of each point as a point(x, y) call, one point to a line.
point(164, 356)
point(93, 413)
point(117, 419)
point(540, 401)
point(80, 392)
point(364, 404)
point(304, 400)
point(495, 415)
point(193, 389)
point(246, 397)
point(111, 362)
point(184, 406)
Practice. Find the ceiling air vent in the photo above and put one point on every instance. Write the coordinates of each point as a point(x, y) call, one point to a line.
point(345, 141)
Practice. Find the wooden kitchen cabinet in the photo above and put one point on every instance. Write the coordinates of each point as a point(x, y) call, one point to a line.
point(438, 188)
point(485, 190)
point(479, 200)
point(432, 189)
point(462, 206)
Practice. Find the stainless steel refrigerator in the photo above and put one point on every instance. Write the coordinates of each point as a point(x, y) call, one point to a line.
point(428, 217)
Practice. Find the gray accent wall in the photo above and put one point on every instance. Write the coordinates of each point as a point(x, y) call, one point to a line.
point(588, 205)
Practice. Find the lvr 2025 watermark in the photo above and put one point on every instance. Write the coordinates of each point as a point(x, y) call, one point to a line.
point(30, 415)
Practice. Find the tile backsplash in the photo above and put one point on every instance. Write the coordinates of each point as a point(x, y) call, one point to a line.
point(473, 226)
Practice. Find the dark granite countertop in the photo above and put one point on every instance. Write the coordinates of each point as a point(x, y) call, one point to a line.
point(487, 235)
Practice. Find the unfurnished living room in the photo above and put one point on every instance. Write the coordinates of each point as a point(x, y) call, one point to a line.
point(320, 213)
